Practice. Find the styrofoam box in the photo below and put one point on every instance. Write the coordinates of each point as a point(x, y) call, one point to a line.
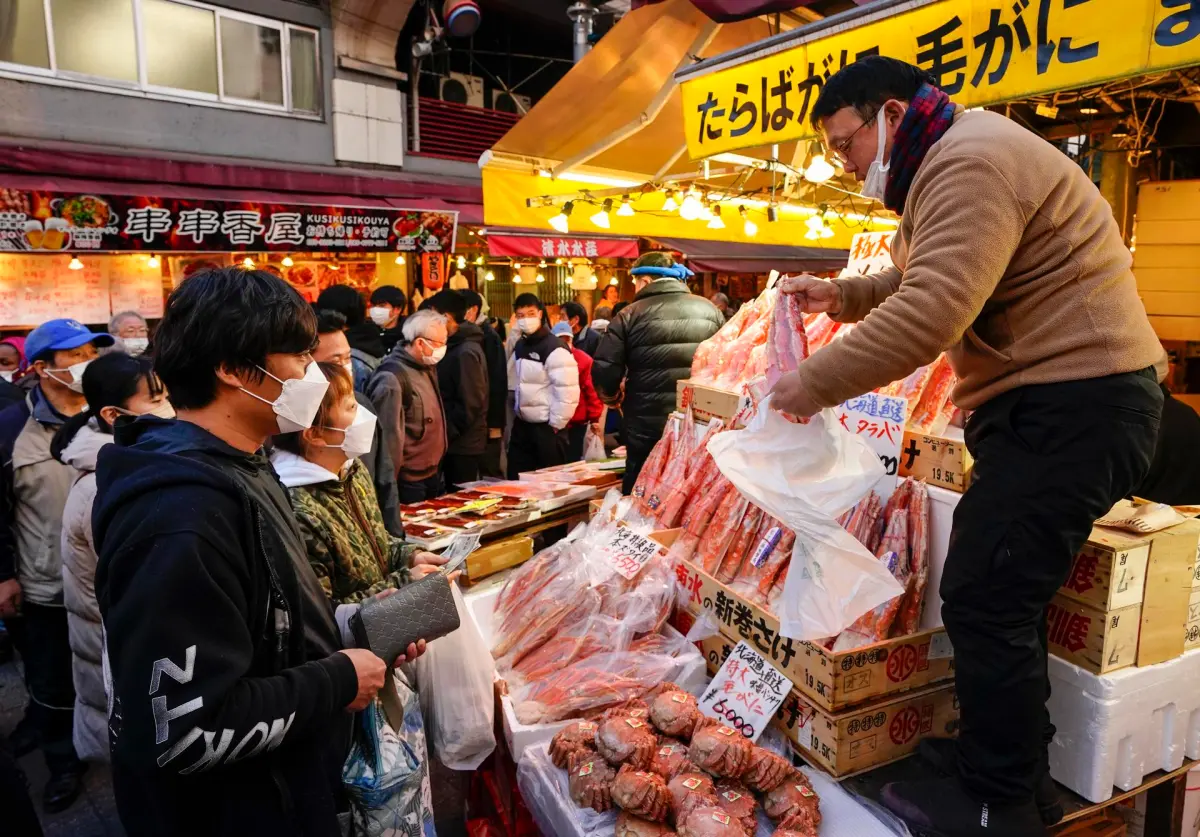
point(1116, 728)
point(691, 675)
point(942, 503)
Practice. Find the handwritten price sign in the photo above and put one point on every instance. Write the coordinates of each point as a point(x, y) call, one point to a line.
point(628, 551)
point(746, 693)
point(879, 421)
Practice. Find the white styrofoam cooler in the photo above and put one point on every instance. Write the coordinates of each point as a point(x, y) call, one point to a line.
point(942, 503)
point(1116, 728)
point(692, 675)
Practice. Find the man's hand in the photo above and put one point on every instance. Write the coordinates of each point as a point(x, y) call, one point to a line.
point(789, 396)
point(10, 597)
point(370, 671)
point(816, 295)
point(597, 429)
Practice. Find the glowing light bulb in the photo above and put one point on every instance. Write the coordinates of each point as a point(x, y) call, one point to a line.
point(669, 205)
point(626, 210)
point(691, 208)
point(489, 277)
point(749, 228)
point(561, 221)
point(613, 281)
point(287, 261)
point(75, 263)
point(153, 262)
point(540, 278)
point(479, 260)
point(826, 231)
point(716, 223)
point(819, 170)
point(248, 263)
point(461, 262)
point(399, 259)
point(815, 223)
point(600, 219)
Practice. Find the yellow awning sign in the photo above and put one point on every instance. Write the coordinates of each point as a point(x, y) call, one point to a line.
point(982, 51)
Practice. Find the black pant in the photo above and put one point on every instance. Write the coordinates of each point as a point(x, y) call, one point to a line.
point(41, 637)
point(460, 468)
point(420, 490)
point(493, 456)
point(20, 818)
point(576, 435)
point(634, 460)
point(534, 446)
point(1049, 460)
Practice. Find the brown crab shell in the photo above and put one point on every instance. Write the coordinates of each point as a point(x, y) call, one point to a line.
point(590, 781)
point(720, 750)
point(689, 790)
point(675, 713)
point(765, 770)
point(641, 793)
point(794, 801)
point(710, 821)
point(630, 826)
point(626, 740)
point(671, 758)
point(739, 802)
point(577, 735)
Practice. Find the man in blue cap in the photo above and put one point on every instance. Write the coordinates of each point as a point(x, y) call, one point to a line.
point(33, 491)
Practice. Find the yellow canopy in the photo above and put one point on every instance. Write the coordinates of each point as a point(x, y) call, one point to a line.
point(614, 126)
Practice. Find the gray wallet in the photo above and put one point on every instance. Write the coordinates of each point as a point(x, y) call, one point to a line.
point(424, 609)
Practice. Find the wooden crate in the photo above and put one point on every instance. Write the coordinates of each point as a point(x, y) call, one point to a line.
point(937, 460)
point(1100, 641)
point(491, 559)
point(1169, 578)
point(1110, 571)
point(862, 737)
point(1191, 632)
point(707, 402)
point(831, 680)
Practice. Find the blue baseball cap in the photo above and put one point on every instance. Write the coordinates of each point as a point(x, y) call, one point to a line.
point(60, 336)
point(562, 330)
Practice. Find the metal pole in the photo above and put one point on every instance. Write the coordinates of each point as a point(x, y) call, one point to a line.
point(582, 15)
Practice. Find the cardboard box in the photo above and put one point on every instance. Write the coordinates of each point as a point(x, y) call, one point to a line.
point(707, 402)
point(491, 559)
point(1097, 640)
point(1191, 634)
point(831, 680)
point(938, 460)
point(856, 739)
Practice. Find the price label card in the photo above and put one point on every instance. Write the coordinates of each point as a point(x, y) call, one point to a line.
point(746, 693)
point(879, 421)
point(628, 551)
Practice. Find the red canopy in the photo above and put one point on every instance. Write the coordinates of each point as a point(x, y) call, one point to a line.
point(550, 246)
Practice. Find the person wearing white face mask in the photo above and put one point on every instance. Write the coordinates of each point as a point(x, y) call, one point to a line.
point(350, 549)
point(334, 347)
point(1007, 259)
point(407, 399)
point(131, 329)
point(388, 307)
point(33, 491)
point(119, 388)
point(205, 586)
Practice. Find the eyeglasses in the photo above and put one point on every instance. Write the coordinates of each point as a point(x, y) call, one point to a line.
point(841, 150)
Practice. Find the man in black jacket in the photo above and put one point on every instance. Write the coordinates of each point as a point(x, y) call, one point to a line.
point(650, 346)
point(463, 380)
point(497, 367)
point(229, 689)
point(366, 345)
point(584, 338)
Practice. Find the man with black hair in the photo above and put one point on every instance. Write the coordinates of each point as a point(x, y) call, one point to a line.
point(388, 307)
point(1008, 259)
point(648, 349)
point(33, 491)
point(463, 378)
point(229, 685)
point(333, 347)
point(585, 339)
point(366, 344)
point(497, 368)
point(546, 378)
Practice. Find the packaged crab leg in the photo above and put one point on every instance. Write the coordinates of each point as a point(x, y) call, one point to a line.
point(652, 469)
point(721, 531)
point(741, 545)
point(767, 562)
point(909, 618)
point(934, 396)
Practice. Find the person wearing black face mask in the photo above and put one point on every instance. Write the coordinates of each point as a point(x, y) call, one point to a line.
point(118, 388)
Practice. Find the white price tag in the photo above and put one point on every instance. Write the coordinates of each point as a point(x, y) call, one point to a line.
point(879, 421)
point(628, 551)
point(940, 647)
point(746, 693)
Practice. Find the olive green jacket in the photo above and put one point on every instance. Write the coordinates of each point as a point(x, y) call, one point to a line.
point(349, 547)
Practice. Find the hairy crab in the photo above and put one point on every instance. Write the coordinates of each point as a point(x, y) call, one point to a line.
point(641, 793)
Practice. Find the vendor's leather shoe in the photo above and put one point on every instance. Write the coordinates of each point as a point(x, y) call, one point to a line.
point(942, 754)
point(62, 790)
point(942, 808)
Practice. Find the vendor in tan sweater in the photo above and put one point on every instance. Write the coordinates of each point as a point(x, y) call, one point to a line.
point(1008, 259)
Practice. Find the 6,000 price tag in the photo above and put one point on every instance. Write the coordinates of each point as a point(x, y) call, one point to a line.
point(746, 693)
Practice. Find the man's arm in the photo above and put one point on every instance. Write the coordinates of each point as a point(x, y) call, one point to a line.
point(862, 294)
point(608, 370)
point(473, 378)
point(387, 394)
point(956, 258)
point(563, 372)
point(180, 643)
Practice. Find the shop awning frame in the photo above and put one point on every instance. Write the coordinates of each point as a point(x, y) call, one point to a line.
point(738, 257)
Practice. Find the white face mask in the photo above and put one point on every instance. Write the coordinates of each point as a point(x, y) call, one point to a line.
point(76, 370)
point(436, 357)
point(297, 404)
point(135, 345)
point(359, 436)
point(875, 186)
point(162, 410)
point(7, 375)
point(529, 325)
point(379, 315)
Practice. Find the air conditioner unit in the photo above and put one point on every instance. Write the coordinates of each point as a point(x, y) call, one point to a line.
point(462, 89)
point(511, 102)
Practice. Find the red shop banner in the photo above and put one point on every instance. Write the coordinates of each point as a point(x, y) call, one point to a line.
point(560, 247)
point(48, 222)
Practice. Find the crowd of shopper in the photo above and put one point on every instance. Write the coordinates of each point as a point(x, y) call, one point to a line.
point(189, 517)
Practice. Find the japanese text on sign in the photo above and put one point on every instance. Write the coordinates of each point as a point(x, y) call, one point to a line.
point(746, 693)
point(981, 51)
point(628, 551)
point(879, 421)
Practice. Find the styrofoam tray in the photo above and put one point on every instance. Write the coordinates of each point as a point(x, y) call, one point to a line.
point(1114, 729)
point(691, 675)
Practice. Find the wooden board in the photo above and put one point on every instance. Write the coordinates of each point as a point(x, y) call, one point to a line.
point(1174, 199)
point(1172, 303)
point(831, 680)
point(1184, 258)
point(1169, 578)
point(1173, 231)
point(1092, 638)
point(707, 402)
point(1176, 328)
point(937, 460)
point(491, 559)
point(1109, 572)
point(1191, 631)
point(1179, 279)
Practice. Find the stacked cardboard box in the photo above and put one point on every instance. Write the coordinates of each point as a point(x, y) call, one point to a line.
point(1128, 599)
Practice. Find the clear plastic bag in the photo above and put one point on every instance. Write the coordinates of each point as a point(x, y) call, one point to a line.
point(455, 676)
point(593, 447)
point(807, 475)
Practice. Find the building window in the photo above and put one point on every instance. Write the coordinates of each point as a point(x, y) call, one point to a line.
point(176, 48)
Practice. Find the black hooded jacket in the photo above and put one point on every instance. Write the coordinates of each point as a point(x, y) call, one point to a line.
point(497, 366)
point(650, 345)
point(228, 699)
point(463, 380)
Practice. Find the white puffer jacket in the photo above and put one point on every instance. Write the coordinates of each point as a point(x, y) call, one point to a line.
point(79, 595)
point(547, 380)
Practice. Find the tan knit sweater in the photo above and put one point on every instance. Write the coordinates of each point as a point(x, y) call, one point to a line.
point(1009, 259)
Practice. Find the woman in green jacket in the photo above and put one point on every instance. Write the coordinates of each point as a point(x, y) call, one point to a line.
point(349, 547)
